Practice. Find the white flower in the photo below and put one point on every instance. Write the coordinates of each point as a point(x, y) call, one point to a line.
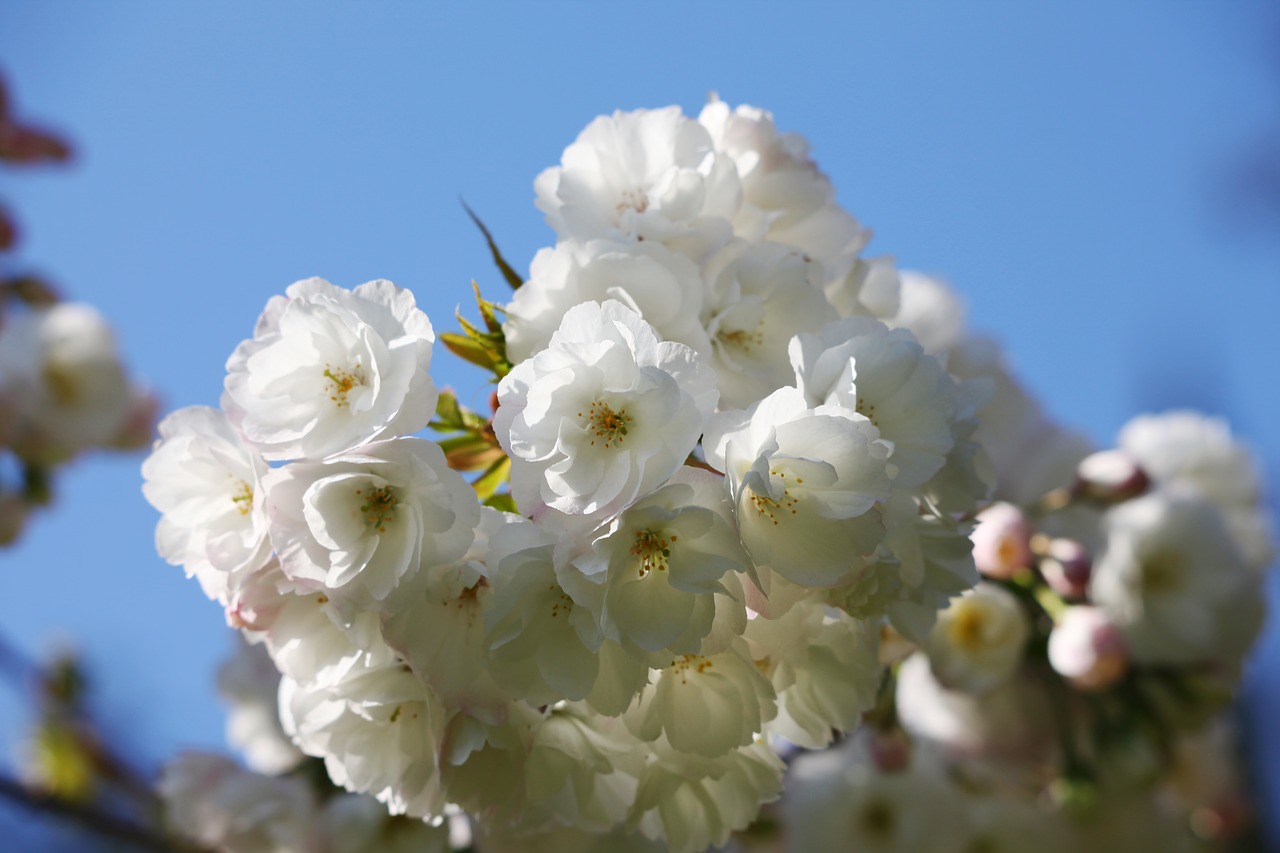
point(329, 369)
point(662, 561)
point(706, 705)
point(643, 175)
point(575, 774)
point(693, 802)
point(249, 682)
point(785, 198)
point(360, 522)
point(436, 622)
point(870, 288)
point(824, 666)
point(65, 385)
point(930, 310)
point(1011, 727)
point(603, 415)
point(760, 295)
point(355, 823)
point(839, 800)
point(1189, 451)
point(885, 375)
point(378, 730)
point(1171, 578)
point(805, 483)
point(663, 287)
point(205, 480)
point(978, 641)
point(219, 805)
point(542, 646)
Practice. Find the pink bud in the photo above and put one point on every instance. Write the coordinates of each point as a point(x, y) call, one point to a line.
point(1067, 567)
point(1111, 476)
point(1001, 541)
point(1087, 648)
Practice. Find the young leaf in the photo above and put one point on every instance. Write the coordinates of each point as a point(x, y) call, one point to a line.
point(512, 277)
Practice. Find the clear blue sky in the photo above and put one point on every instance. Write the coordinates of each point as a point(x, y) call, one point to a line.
point(1070, 166)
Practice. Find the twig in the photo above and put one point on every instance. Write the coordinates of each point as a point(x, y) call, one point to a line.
point(93, 820)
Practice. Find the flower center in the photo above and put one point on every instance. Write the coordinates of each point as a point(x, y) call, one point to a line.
point(604, 423)
point(867, 411)
point(654, 550)
point(634, 200)
point(967, 628)
point(243, 498)
point(682, 665)
point(339, 382)
point(378, 507)
point(770, 507)
point(742, 339)
point(1162, 573)
point(877, 820)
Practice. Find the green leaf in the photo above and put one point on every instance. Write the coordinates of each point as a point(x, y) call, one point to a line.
point(489, 482)
point(502, 501)
point(512, 277)
point(469, 349)
point(470, 452)
point(448, 413)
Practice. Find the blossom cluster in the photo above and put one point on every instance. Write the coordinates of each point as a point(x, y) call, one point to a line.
point(732, 470)
point(64, 388)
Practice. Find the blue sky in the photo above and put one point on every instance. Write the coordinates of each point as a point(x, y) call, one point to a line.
point(1069, 167)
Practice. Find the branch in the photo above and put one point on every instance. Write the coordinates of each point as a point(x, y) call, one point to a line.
point(92, 819)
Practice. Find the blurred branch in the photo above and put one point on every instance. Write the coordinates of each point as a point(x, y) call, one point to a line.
point(91, 819)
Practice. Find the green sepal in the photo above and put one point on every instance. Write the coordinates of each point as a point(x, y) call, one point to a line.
point(512, 277)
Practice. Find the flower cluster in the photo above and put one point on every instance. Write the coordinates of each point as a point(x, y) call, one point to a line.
point(742, 466)
point(64, 388)
point(1074, 698)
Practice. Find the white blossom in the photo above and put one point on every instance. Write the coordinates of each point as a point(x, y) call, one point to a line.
point(218, 804)
point(786, 199)
point(662, 561)
point(603, 415)
point(249, 683)
point(65, 387)
point(805, 483)
point(329, 369)
point(1188, 451)
point(378, 730)
point(360, 522)
point(760, 295)
point(1173, 581)
point(978, 641)
point(886, 376)
point(663, 287)
point(643, 175)
point(207, 483)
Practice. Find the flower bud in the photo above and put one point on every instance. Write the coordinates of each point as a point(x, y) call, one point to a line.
point(1001, 541)
point(1088, 649)
point(1110, 476)
point(1066, 566)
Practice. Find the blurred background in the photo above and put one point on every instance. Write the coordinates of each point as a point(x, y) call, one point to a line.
point(1100, 181)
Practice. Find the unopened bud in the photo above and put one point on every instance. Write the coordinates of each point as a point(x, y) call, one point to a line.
point(1066, 566)
point(890, 750)
point(1001, 541)
point(1087, 649)
point(1110, 476)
